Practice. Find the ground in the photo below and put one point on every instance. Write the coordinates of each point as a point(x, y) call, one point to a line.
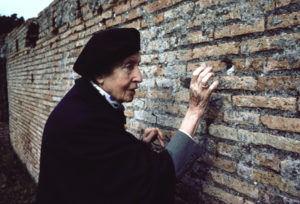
point(16, 185)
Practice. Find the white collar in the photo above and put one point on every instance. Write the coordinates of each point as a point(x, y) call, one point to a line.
point(111, 100)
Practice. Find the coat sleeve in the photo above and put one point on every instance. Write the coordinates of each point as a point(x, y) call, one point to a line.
point(183, 151)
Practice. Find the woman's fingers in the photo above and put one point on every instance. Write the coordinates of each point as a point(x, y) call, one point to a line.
point(206, 78)
point(196, 73)
point(161, 138)
point(151, 134)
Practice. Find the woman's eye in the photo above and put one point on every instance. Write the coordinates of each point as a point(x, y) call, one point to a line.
point(129, 66)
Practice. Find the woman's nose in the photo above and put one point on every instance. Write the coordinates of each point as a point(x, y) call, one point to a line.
point(137, 75)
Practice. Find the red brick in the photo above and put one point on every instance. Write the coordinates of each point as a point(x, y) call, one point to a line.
point(222, 195)
point(281, 123)
point(249, 64)
point(133, 24)
point(283, 20)
point(265, 102)
point(268, 160)
point(121, 8)
point(239, 29)
point(135, 3)
point(217, 65)
point(114, 21)
point(133, 14)
point(157, 5)
point(235, 184)
point(215, 50)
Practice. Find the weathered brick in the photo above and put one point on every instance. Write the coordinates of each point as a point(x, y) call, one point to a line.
point(135, 3)
point(235, 184)
point(249, 64)
point(157, 5)
point(265, 102)
point(140, 94)
point(224, 132)
point(204, 18)
point(266, 43)
point(222, 195)
point(239, 29)
point(121, 8)
point(278, 83)
point(182, 96)
point(278, 142)
point(107, 14)
point(268, 160)
point(281, 64)
point(275, 180)
point(166, 95)
point(217, 65)
point(129, 113)
point(114, 21)
point(236, 82)
point(245, 118)
point(215, 50)
point(209, 3)
point(228, 150)
point(158, 18)
point(281, 3)
point(283, 20)
point(133, 24)
point(281, 123)
point(199, 37)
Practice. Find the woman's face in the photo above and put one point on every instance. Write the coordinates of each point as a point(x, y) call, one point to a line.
point(124, 79)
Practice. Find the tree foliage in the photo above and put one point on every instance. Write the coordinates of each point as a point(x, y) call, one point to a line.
point(7, 23)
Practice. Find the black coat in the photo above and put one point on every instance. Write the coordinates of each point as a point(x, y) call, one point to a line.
point(88, 157)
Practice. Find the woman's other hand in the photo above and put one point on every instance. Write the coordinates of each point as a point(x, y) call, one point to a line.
point(150, 134)
point(200, 93)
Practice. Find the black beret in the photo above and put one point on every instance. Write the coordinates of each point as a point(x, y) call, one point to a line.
point(105, 49)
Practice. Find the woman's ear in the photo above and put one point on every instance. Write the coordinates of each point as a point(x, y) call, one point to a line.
point(100, 80)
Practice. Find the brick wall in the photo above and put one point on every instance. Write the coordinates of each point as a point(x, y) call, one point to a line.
point(251, 131)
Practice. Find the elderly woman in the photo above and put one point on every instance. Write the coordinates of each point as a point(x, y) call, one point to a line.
point(87, 155)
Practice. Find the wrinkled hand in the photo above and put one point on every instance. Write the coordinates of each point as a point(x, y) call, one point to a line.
point(200, 92)
point(150, 134)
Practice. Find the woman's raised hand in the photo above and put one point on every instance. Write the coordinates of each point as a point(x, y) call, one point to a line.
point(200, 91)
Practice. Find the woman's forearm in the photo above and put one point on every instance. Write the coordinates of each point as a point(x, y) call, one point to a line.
point(191, 121)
